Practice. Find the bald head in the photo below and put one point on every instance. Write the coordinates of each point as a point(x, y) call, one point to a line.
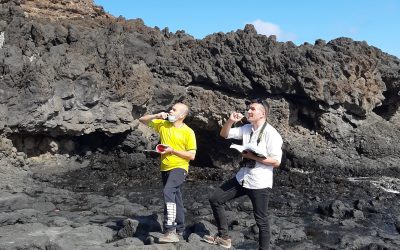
point(183, 108)
point(180, 110)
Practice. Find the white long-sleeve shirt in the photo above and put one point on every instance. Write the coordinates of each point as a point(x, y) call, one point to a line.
point(261, 176)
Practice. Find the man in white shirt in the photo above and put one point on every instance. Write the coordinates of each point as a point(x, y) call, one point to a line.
point(254, 178)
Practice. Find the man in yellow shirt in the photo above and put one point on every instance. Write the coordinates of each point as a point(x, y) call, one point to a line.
point(181, 142)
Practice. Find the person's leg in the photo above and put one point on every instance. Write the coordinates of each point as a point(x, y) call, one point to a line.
point(259, 198)
point(227, 191)
point(180, 209)
point(172, 181)
point(164, 178)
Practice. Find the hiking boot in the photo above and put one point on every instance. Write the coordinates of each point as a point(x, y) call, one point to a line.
point(129, 228)
point(180, 235)
point(169, 237)
point(216, 240)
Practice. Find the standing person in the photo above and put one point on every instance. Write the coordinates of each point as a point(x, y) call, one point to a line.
point(255, 176)
point(181, 142)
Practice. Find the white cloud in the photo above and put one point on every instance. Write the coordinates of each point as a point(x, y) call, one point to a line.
point(266, 28)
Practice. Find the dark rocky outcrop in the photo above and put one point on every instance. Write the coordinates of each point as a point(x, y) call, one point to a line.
point(74, 80)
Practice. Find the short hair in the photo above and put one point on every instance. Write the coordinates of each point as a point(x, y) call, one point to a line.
point(263, 102)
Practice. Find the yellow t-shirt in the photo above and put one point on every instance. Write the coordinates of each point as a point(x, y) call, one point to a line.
point(180, 139)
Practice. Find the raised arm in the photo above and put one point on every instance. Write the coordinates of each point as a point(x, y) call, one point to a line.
point(147, 118)
point(234, 117)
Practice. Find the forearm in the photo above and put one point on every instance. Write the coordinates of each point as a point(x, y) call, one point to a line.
point(147, 118)
point(188, 155)
point(268, 161)
point(265, 161)
point(225, 129)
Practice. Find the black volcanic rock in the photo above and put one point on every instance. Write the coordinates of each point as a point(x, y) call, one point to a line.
point(97, 74)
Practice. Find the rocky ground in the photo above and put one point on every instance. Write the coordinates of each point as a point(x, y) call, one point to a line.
point(75, 203)
point(73, 166)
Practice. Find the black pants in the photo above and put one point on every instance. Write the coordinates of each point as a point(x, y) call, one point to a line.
point(259, 198)
point(174, 212)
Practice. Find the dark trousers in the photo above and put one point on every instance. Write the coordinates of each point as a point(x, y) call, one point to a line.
point(259, 198)
point(174, 211)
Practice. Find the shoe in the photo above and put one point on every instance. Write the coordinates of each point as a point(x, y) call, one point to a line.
point(129, 228)
point(180, 235)
point(169, 237)
point(216, 240)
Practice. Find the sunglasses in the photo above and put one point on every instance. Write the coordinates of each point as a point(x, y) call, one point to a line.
point(260, 101)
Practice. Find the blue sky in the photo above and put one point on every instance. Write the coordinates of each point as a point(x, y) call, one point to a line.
point(375, 21)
